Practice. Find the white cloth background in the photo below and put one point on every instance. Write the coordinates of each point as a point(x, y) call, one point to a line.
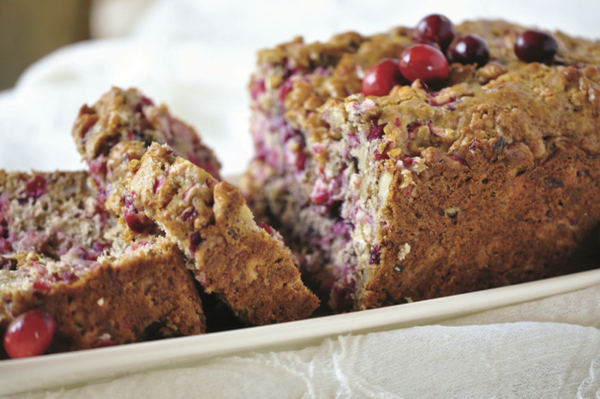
point(196, 56)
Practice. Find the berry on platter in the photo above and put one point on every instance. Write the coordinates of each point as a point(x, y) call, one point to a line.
point(425, 62)
point(381, 78)
point(435, 28)
point(29, 334)
point(535, 46)
point(470, 49)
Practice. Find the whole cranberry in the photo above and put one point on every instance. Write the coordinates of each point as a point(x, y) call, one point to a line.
point(535, 46)
point(30, 334)
point(435, 28)
point(425, 62)
point(470, 49)
point(381, 78)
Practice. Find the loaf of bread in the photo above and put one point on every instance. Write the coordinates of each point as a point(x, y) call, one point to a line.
point(487, 178)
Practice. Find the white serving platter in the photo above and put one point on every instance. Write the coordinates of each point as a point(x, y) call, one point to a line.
point(76, 368)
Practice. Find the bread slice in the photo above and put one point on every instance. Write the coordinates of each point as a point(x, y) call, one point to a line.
point(63, 253)
point(246, 265)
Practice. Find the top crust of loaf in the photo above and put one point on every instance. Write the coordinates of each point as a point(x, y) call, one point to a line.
point(520, 102)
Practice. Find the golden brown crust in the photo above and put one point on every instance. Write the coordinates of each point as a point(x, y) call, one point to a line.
point(146, 293)
point(487, 224)
point(563, 90)
point(241, 262)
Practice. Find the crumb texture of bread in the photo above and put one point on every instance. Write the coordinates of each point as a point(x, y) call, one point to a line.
point(486, 179)
point(247, 266)
point(119, 127)
point(54, 214)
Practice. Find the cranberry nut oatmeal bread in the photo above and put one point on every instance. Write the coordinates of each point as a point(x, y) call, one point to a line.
point(444, 178)
point(246, 265)
point(119, 127)
point(62, 253)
